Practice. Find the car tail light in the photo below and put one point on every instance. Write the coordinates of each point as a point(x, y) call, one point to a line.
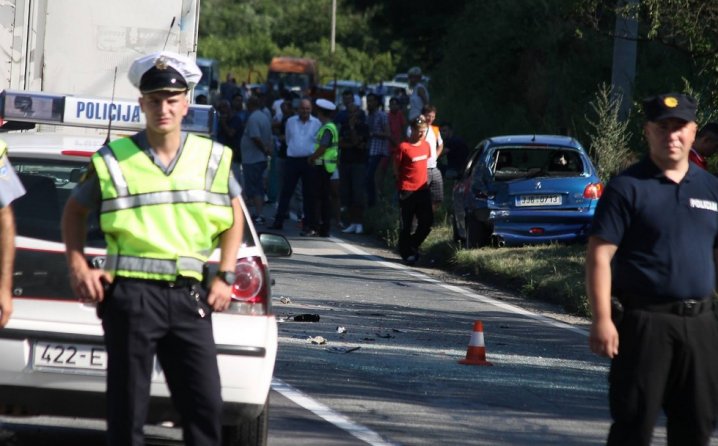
point(250, 292)
point(593, 191)
point(85, 153)
point(536, 231)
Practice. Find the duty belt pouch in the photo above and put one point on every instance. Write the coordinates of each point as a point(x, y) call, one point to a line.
point(617, 311)
point(207, 274)
point(100, 306)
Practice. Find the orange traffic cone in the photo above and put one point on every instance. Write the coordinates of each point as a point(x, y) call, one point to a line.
point(476, 353)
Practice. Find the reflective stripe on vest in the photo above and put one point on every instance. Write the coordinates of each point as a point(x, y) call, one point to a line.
point(155, 266)
point(330, 155)
point(166, 197)
point(158, 225)
point(3, 148)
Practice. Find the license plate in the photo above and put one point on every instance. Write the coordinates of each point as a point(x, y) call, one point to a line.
point(538, 200)
point(59, 355)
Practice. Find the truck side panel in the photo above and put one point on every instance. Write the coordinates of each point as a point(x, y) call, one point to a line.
point(74, 46)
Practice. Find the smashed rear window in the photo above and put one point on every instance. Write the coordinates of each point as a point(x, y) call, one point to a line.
point(510, 163)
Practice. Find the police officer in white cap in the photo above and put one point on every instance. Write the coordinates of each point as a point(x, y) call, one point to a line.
point(324, 160)
point(165, 200)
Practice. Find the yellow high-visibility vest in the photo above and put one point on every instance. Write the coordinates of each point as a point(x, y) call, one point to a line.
point(329, 158)
point(161, 226)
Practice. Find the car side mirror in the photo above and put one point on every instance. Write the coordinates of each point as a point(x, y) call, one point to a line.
point(275, 245)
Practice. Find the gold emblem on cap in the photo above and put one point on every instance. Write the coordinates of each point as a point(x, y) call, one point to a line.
point(670, 102)
point(161, 63)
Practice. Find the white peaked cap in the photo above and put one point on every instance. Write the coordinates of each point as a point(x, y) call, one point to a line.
point(164, 70)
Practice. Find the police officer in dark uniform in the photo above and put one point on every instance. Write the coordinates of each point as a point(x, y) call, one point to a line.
point(165, 199)
point(653, 248)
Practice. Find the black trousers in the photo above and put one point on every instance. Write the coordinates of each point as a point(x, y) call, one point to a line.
point(144, 318)
point(665, 361)
point(322, 199)
point(295, 169)
point(415, 204)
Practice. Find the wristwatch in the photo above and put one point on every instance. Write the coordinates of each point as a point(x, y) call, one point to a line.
point(227, 277)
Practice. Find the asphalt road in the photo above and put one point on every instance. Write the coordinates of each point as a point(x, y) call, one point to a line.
point(380, 366)
point(403, 331)
point(404, 382)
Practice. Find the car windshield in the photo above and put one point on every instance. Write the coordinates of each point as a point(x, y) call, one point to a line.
point(290, 80)
point(48, 185)
point(511, 163)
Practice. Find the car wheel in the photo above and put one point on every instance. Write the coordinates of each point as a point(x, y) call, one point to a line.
point(476, 233)
point(250, 433)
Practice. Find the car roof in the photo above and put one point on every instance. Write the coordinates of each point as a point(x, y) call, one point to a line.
point(558, 140)
point(394, 84)
point(344, 83)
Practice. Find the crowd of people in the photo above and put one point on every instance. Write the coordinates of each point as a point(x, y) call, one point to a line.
point(325, 163)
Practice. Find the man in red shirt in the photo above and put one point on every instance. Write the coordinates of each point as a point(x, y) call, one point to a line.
point(414, 197)
point(705, 145)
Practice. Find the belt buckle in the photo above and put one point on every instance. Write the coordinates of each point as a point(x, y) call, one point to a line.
point(689, 307)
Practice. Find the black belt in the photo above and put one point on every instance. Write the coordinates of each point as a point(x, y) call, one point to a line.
point(179, 282)
point(687, 307)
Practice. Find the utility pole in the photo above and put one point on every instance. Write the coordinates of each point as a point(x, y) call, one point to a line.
point(624, 58)
point(333, 46)
point(334, 25)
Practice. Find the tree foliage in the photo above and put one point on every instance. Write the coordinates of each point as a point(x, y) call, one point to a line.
point(244, 36)
point(681, 36)
point(496, 67)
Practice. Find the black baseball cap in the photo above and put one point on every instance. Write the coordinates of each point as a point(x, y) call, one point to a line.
point(671, 105)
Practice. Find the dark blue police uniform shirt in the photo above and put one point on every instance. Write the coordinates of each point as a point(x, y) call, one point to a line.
point(665, 232)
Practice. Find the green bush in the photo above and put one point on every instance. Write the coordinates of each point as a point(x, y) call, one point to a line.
point(609, 136)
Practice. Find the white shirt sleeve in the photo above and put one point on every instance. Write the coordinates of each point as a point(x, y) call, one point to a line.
point(11, 187)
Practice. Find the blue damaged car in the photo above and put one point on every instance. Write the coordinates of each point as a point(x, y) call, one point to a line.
point(525, 189)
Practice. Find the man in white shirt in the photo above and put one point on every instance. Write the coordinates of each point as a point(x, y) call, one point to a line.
point(300, 132)
point(419, 96)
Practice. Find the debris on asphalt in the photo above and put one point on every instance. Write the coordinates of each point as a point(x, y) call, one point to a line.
point(306, 317)
point(384, 335)
point(341, 330)
point(317, 340)
point(342, 349)
point(285, 300)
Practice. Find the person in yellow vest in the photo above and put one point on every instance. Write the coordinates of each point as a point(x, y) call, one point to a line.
point(324, 160)
point(166, 200)
point(10, 189)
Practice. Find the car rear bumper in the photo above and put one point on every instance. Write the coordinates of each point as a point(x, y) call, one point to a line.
point(513, 228)
point(245, 359)
point(29, 400)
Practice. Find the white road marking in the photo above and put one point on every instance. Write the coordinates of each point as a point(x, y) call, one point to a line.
point(461, 290)
point(361, 432)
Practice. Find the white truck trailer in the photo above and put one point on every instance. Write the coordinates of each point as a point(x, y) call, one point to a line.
point(74, 46)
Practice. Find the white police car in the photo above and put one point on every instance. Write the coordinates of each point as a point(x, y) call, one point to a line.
point(53, 359)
